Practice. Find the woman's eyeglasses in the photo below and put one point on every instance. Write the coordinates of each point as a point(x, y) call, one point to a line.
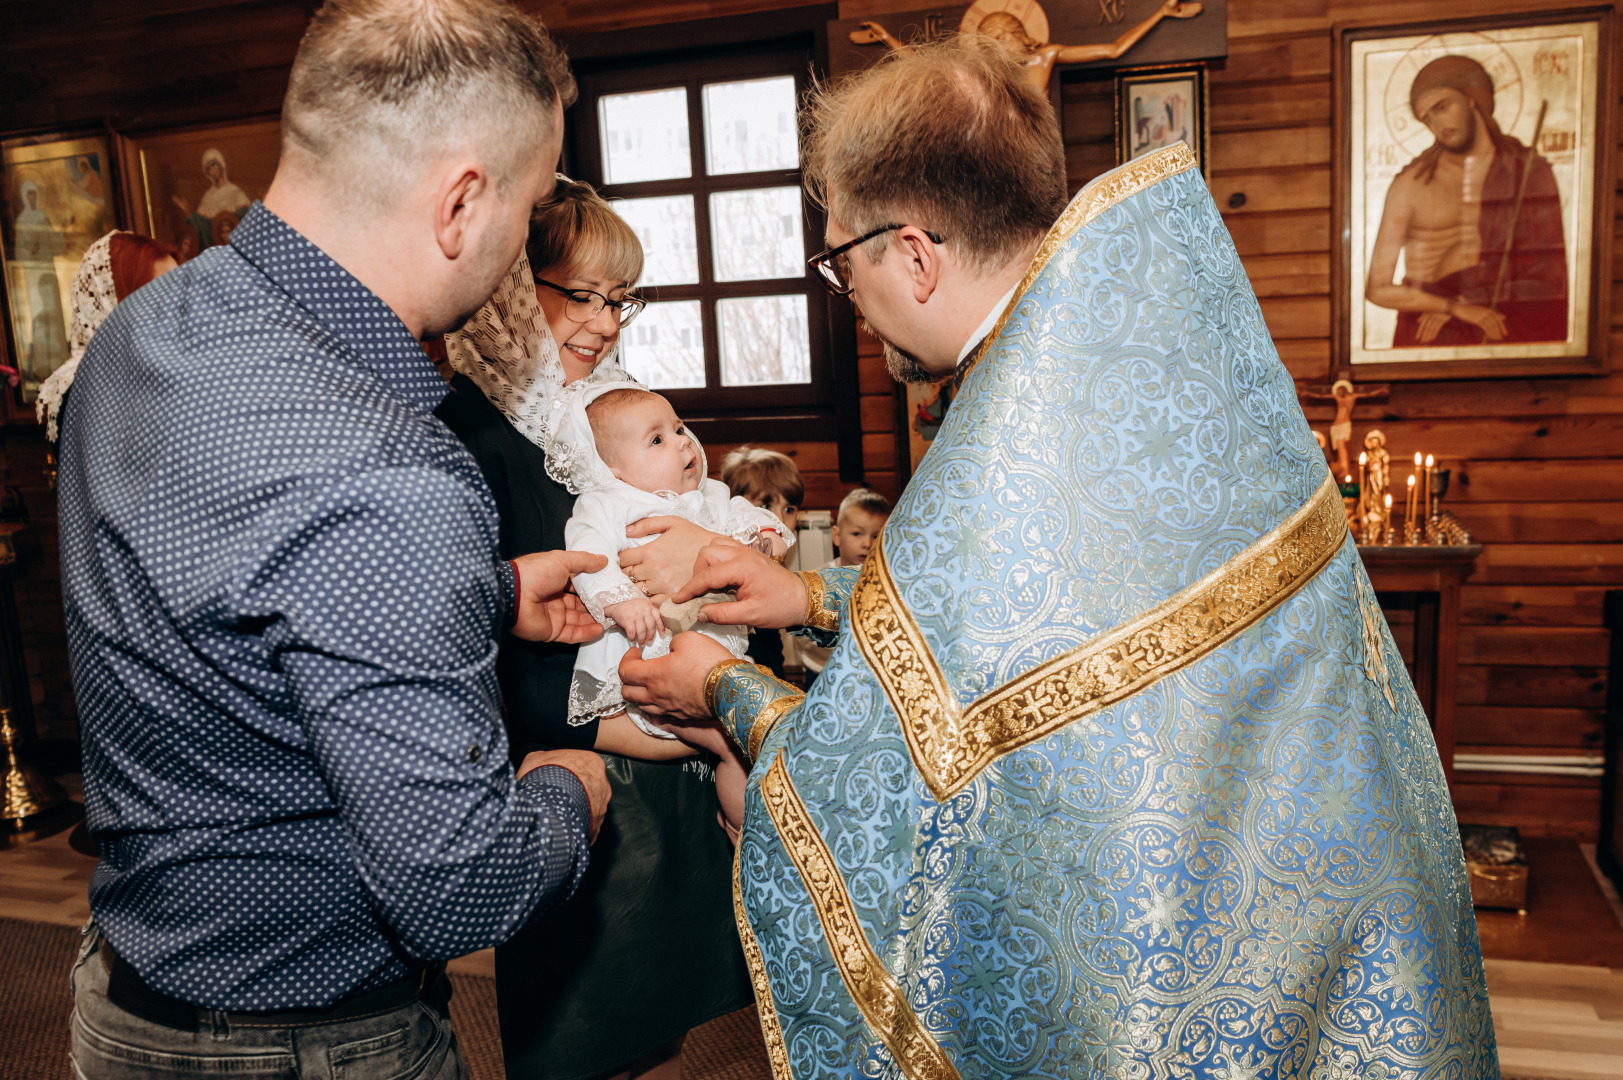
point(584, 305)
point(834, 265)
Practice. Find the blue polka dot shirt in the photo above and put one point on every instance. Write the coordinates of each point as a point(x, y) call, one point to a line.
point(283, 604)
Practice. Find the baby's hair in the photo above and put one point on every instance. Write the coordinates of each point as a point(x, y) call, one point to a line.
point(754, 470)
point(865, 499)
point(604, 407)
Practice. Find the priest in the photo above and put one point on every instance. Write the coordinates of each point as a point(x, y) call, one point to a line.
point(1115, 769)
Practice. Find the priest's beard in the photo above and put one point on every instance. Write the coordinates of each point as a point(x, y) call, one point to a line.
point(903, 366)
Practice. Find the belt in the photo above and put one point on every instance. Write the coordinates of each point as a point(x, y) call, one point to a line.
point(127, 990)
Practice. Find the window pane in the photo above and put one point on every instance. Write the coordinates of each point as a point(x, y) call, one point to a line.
point(750, 126)
point(665, 346)
point(670, 241)
point(763, 340)
point(645, 135)
point(756, 234)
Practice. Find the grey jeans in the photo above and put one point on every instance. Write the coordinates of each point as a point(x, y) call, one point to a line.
point(413, 1042)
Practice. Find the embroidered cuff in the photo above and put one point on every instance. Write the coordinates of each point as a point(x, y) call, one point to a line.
point(827, 592)
point(749, 701)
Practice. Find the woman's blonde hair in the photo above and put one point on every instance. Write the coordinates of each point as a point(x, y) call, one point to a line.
point(577, 230)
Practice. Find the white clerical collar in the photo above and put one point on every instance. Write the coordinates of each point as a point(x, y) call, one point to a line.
point(987, 323)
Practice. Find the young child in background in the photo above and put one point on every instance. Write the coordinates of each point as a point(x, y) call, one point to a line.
point(629, 457)
point(857, 525)
point(771, 481)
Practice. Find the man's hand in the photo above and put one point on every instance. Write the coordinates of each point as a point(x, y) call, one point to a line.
point(671, 688)
point(547, 610)
point(664, 564)
point(769, 596)
point(588, 769)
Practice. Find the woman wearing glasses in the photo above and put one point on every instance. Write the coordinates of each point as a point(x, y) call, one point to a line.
point(609, 983)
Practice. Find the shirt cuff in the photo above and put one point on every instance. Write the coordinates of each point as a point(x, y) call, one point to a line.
point(508, 579)
point(567, 812)
point(749, 701)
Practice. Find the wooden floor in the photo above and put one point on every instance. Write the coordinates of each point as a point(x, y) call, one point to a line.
point(1555, 975)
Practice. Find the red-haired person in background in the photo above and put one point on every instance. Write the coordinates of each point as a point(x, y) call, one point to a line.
point(113, 268)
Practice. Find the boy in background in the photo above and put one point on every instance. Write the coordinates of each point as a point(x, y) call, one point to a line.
point(858, 524)
point(771, 481)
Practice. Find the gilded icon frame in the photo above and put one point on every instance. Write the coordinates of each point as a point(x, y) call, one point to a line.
point(1135, 134)
point(74, 203)
point(161, 167)
point(1543, 306)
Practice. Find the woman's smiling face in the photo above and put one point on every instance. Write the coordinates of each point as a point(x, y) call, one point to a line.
point(580, 344)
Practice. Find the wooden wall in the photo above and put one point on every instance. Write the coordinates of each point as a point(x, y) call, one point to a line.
point(1537, 463)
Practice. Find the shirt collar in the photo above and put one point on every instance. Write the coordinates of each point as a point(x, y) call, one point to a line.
point(986, 325)
point(334, 297)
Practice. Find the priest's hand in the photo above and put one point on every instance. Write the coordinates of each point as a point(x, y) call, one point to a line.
point(588, 769)
point(547, 609)
point(661, 565)
point(769, 596)
point(670, 689)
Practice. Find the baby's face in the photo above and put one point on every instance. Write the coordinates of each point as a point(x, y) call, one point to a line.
point(645, 445)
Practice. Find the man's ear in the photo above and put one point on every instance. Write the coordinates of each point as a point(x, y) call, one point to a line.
point(923, 261)
point(463, 191)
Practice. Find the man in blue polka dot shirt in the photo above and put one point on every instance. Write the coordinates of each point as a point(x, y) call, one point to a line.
point(283, 589)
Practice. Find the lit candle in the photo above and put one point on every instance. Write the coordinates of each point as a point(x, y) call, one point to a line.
point(1431, 463)
point(1363, 484)
point(1412, 498)
point(1386, 518)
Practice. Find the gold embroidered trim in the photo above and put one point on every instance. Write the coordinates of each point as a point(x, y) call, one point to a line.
point(950, 746)
point(817, 618)
point(768, 718)
point(1090, 202)
point(871, 986)
point(771, 1031)
point(712, 680)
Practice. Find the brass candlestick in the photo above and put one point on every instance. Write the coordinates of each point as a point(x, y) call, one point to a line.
point(25, 792)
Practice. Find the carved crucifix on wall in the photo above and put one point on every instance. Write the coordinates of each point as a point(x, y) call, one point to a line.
point(1027, 33)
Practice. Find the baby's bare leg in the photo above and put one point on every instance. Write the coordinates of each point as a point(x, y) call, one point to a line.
point(731, 775)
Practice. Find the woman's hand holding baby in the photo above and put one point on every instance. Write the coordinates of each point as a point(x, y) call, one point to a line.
point(638, 617)
point(666, 562)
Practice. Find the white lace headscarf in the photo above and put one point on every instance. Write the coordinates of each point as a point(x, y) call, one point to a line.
point(574, 449)
point(92, 299)
point(507, 350)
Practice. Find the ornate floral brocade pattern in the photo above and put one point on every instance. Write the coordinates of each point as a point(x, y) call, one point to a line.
point(749, 701)
point(1246, 867)
point(950, 745)
point(876, 993)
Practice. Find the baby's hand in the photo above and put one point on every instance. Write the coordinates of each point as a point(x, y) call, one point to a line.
point(639, 618)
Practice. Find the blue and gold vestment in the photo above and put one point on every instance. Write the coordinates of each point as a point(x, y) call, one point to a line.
point(1115, 770)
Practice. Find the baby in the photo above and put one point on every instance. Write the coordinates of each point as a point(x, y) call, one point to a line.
point(629, 457)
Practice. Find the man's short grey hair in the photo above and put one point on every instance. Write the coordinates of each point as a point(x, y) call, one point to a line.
point(380, 86)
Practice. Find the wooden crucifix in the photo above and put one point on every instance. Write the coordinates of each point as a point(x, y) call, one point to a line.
point(1344, 395)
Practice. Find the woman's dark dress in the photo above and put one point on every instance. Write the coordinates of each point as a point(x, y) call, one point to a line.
point(647, 948)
